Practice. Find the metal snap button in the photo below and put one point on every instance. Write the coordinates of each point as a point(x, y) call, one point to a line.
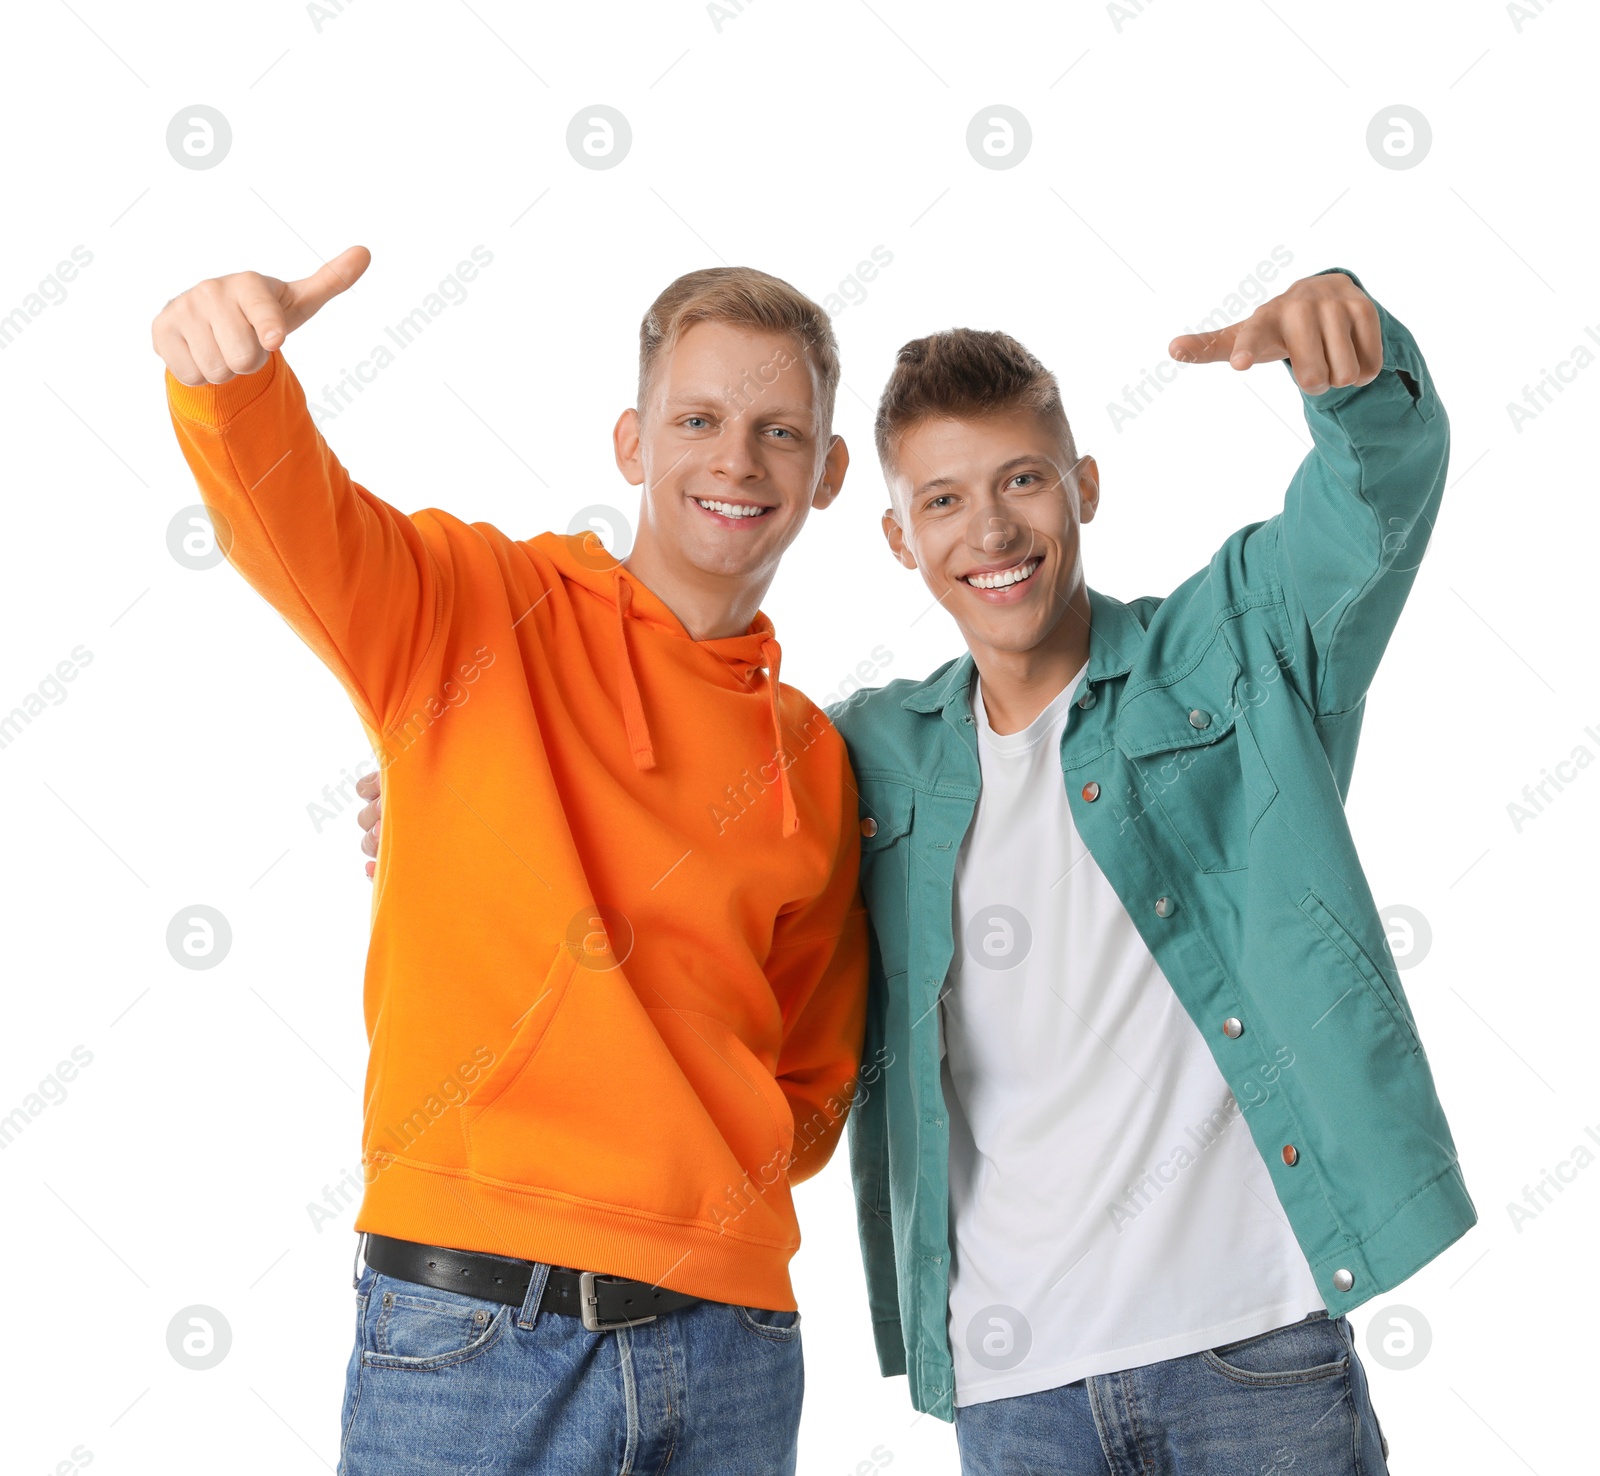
point(1165, 906)
point(1291, 1154)
point(1198, 719)
point(1233, 1027)
point(1343, 1280)
point(869, 826)
point(1088, 700)
point(1091, 791)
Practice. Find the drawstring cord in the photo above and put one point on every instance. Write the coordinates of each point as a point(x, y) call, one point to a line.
point(644, 753)
point(638, 729)
point(772, 654)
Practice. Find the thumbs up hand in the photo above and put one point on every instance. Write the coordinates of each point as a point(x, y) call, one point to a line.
point(1325, 326)
point(229, 325)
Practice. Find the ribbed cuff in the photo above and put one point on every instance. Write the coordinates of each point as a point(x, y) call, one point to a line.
point(216, 404)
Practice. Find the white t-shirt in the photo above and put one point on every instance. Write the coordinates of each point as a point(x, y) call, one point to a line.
point(1108, 1208)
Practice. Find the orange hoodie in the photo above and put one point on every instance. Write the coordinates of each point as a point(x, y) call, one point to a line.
point(615, 990)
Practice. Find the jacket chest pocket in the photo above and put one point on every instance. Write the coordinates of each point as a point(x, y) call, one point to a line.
point(886, 814)
point(1197, 771)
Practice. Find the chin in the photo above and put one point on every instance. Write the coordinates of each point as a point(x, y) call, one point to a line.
point(727, 563)
point(1011, 642)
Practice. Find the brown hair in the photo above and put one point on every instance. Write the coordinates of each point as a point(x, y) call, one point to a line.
point(747, 298)
point(960, 374)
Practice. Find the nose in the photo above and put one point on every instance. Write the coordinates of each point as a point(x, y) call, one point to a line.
point(995, 533)
point(733, 455)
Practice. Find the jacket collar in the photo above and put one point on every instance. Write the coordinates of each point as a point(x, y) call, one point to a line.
point(1115, 639)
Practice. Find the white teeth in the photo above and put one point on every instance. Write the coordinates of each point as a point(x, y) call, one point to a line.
point(731, 509)
point(1004, 577)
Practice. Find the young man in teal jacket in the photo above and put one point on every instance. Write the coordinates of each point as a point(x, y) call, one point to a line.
point(1156, 1114)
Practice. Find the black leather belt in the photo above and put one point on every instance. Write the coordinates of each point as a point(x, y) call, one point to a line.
point(603, 1302)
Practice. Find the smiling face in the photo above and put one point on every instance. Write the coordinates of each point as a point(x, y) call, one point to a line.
point(988, 509)
point(731, 448)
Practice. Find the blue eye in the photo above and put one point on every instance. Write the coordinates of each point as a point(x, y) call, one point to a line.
point(691, 421)
point(779, 430)
point(1022, 477)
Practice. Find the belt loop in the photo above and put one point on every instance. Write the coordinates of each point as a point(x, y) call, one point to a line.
point(530, 1303)
point(355, 1266)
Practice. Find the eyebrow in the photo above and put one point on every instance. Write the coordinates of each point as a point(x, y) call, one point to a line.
point(1016, 461)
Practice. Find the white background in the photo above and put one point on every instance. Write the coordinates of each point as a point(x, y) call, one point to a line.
point(1172, 150)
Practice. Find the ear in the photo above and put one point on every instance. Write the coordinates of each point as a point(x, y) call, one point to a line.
point(896, 536)
point(1086, 474)
point(834, 466)
point(625, 442)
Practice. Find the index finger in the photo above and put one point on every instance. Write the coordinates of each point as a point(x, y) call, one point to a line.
point(263, 312)
point(1204, 348)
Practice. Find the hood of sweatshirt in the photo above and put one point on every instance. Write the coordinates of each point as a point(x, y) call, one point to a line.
point(750, 657)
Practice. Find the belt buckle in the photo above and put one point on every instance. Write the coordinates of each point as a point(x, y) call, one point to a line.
point(589, 1307)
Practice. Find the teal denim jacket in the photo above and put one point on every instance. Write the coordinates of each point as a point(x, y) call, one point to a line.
point(1220, 726)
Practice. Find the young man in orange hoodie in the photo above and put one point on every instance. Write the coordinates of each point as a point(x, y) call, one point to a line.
point(612, 1018)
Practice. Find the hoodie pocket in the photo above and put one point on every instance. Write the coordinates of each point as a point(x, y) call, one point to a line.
point(528, 1034)
point(604, 1105)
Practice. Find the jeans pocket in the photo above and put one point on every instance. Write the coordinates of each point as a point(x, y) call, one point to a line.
point(352, 1375)
point(778, 1327)
point(1299, 1353)
point(416, 1326)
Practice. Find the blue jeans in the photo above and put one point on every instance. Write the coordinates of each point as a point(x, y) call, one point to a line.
point(1291, 1402)
point(440, 1382)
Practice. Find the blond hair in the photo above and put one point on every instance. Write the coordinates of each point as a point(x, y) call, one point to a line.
point(746, 298)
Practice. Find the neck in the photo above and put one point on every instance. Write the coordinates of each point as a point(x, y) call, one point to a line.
point(710, 606)
point(1018, 685)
